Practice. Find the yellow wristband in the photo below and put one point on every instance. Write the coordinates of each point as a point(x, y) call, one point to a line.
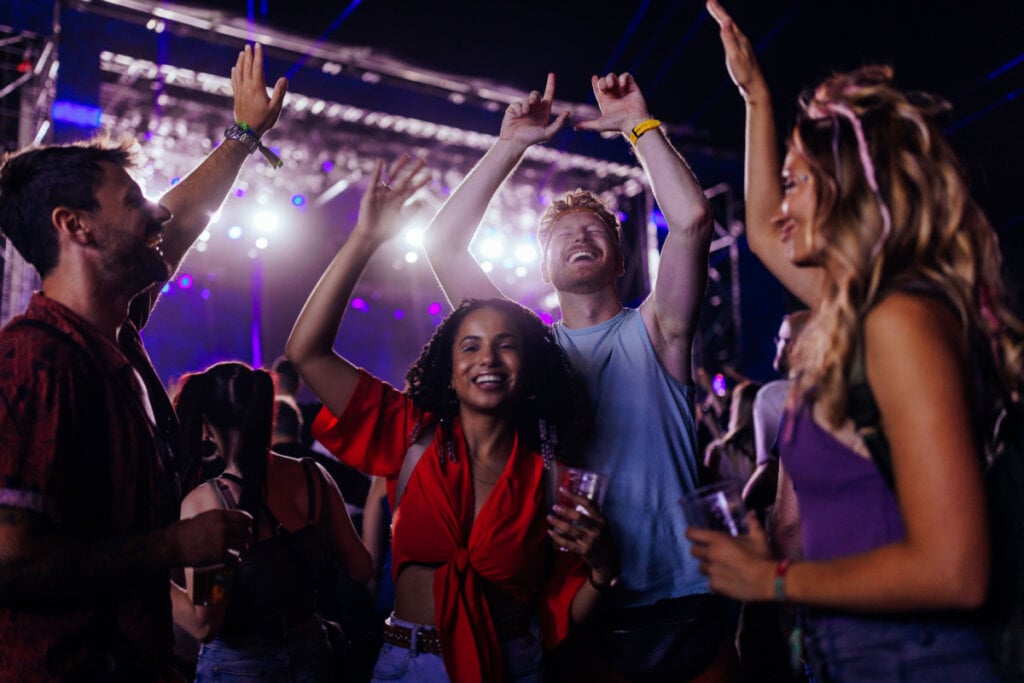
point(641, 128)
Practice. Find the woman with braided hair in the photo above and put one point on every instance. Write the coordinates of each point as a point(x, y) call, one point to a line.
point(873, 227)
point(269, 629)
point(493, 403)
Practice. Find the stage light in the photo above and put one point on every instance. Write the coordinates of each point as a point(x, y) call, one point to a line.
point(327, 166)
point(545, 318)
point(265, 221)
point(492, 246)
point(261, 242)
point(215, 216)
point(526, 252)
point(201, 246)
point(528, 219)
point(399, 314)
point(205, 236)
point(411, 257)
point(521, 271)
point(166, 289)
point(235, 231)
point(240, 192)
point(434, 308)
point(205, 293)
point(551, 300)
point(414, 236)
point(718, 384)
point(185, 281)
point(360, 304)
point(298, 200)
point(175, 180)
point(486, 266)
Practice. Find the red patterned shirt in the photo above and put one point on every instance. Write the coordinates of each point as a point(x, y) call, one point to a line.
point(81, 448)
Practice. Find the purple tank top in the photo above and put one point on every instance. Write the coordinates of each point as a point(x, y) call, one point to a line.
point(845, 506)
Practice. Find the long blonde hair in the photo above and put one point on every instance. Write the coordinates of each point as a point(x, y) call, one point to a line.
point(893, 212)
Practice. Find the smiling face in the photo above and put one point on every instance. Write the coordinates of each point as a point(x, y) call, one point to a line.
point(797, 217)
point(127, 229)
point(581, 256)
point(487, 358)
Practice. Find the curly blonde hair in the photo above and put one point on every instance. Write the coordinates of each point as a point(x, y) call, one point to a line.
point(894, 212)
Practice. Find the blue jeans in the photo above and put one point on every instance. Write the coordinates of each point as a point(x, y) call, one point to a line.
point(521, 658)
point(879, 650)
point(296, 659)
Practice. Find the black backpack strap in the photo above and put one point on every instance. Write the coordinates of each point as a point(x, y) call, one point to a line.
point(862, 409)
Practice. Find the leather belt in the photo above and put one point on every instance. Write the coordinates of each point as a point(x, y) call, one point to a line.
point(427, 640)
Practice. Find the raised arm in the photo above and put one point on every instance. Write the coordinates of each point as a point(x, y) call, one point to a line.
point(200, 194)
point(762, 184)
point(448, 237)
point(671, 312)
point(311, 344)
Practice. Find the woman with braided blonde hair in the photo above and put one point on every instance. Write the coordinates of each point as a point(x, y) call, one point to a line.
point(872, 225)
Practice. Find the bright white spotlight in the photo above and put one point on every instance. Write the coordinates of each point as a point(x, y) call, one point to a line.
point(235, 231)
point(521, 271)
point(265, 221)
point(492, 247)
point(205, 235)
point(551, 300)
point(201, 246)
point(526, 253)
point(414, 236)
point(486, 266)
point(411, 257)
point(262, 242)
point(215, 216)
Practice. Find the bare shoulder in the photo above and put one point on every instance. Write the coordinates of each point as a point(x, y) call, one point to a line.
point(200, 499)
point(910, 322)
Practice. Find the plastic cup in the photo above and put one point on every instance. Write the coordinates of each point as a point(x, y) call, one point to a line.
point(211, 585)
point(591, 485)
point(718, 507)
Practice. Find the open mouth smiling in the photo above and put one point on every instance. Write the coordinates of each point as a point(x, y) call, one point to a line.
point(582, 255)
point(489, 380)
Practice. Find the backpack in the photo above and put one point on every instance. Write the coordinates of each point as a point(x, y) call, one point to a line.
point(1002, 617)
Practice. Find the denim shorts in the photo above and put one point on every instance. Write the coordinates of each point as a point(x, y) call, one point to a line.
point(296, 659)
point(897, 650)
point(521, 658)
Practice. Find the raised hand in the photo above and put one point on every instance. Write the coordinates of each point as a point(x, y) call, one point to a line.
point(740, 59)
point(621, 102)
point(529, 121)
point(211, 537)
point(381, 210)
point(249, 84)
point(581, 529)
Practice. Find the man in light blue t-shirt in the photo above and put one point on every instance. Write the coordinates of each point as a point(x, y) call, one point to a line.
point(635, 363)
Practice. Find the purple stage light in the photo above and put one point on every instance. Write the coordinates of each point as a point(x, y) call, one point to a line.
point(298, 200)
point(434, 308)
point(399, 314)
point(360, 304)
point(327, 166)
point(77, 114)
point(185, 281)
point(718, 384)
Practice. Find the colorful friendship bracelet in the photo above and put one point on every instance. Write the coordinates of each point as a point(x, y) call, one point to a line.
point(641, 128)
point(780, 580)
point(241, 132)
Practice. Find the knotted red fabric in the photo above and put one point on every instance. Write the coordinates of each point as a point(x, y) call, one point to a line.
point(506, 546)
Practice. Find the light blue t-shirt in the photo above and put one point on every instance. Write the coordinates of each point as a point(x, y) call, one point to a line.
point(646, 441)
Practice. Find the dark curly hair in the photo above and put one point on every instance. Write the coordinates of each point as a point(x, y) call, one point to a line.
point(554, 412)
point(229, 395)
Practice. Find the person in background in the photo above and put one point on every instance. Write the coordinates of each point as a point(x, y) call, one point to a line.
point(270, 628)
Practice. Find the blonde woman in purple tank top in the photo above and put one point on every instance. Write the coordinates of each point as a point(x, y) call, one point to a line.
point(872, 226)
